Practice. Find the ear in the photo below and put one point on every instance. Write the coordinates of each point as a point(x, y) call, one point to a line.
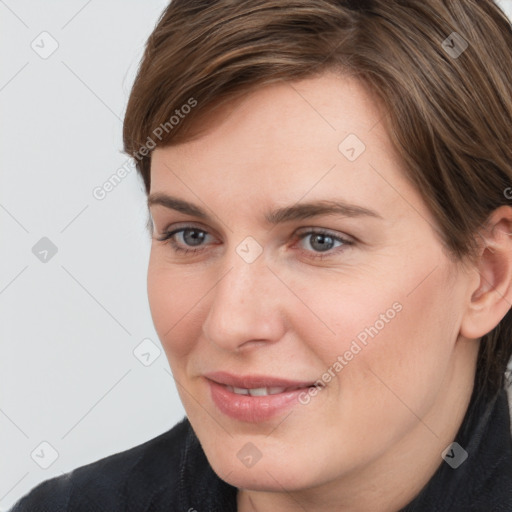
point(491, 290)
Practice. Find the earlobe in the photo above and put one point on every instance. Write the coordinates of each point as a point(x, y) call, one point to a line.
point(491, 290)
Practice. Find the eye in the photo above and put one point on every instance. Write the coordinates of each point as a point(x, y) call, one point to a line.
point(323, 243)
point(191, 239)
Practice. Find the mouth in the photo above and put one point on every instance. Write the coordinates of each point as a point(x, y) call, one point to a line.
point(254, 398)
point(257, 382)
point(261, 391)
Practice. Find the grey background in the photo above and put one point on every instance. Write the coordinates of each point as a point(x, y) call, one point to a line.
point(75, 382)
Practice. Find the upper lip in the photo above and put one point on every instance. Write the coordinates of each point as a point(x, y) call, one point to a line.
point(255, 381)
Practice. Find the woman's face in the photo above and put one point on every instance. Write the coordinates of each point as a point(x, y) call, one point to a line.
point(361, 300)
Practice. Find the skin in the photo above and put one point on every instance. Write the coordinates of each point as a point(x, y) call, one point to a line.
point(373, 437)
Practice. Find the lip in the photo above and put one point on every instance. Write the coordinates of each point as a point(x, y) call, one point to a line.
point(255, 381)
point(253, 409)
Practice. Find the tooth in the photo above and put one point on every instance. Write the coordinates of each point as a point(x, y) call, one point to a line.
point(275, 390)
point(258, 392)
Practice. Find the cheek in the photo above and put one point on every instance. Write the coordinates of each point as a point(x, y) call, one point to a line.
point(404, 365)
point(173, 295)
point(348, 315)
point(382, 341)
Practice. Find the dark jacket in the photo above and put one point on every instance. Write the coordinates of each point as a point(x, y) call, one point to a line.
point(171, 473)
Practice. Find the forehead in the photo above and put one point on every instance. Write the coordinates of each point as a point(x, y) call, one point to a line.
point(318, 136)
point(315, 109)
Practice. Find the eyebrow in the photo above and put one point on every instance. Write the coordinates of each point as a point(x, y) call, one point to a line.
point(298, 211)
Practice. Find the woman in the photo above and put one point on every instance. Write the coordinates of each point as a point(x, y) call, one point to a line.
point(330, 276)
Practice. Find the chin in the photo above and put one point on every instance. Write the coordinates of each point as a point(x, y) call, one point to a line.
point(265, 475)
point(275, 480)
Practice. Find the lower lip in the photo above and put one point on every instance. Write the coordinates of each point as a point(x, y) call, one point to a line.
point(252, 409)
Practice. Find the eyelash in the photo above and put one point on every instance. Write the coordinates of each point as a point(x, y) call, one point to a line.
point(167, 238)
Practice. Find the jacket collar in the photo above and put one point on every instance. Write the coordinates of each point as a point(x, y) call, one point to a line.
point(483, 481)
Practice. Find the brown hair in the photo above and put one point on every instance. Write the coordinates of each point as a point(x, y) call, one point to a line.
point(449, 107)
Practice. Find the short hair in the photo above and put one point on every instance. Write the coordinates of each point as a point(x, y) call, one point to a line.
point(441, 68)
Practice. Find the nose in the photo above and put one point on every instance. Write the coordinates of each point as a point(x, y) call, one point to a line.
point(247, 306)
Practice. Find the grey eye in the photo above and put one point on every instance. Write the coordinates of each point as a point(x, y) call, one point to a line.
point(192, 237)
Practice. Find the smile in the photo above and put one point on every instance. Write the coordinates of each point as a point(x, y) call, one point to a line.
point(258, 391)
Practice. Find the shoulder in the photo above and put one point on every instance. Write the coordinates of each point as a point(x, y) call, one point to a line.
point(134, 479)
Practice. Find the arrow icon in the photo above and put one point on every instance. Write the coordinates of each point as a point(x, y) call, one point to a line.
point(454, 45)
point(454, 455)
point(146, 352)
point(44, 44)
point(44, 250)
point(351, 147)
point(44, 455)
point(249, 249)
point(249, 455)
